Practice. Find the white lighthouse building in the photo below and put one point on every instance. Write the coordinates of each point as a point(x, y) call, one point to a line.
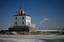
point(22, 22)
point(21, 19)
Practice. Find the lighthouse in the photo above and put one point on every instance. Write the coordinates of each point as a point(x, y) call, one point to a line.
point(22, 19)
point(22, 22)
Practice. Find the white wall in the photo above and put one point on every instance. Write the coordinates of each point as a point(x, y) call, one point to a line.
point(26, 20)
point(19, 21)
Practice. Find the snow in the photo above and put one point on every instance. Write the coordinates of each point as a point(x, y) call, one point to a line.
point(28, 38)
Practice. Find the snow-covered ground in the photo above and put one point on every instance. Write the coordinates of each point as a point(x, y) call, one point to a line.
point(33, 36)
point(28, 38)
point(19, 40)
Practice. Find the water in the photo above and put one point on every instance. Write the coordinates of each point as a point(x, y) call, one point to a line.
point(30, 39)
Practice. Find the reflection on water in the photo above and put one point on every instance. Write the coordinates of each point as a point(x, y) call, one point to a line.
point(31, 40)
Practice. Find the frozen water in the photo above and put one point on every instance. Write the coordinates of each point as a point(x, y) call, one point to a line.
point(31, 38)
point(20, 40)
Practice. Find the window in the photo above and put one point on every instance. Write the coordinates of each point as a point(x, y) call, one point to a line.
point(22, 22)
point(22, 17)
point(15, 22)
point(16, 17)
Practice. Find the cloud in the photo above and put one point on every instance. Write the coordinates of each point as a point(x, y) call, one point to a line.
point(43, 20)
point(33, 25)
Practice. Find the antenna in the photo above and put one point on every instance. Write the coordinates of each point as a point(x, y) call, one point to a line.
point(20, 4)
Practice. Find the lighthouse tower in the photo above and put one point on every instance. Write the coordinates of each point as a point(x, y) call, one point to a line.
point(22, 22)
point(21, 19)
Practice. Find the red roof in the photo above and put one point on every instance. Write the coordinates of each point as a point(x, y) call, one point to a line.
point(21, 13)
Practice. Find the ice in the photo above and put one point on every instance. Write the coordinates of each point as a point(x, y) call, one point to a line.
point(19, 40)
point(28, 38)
